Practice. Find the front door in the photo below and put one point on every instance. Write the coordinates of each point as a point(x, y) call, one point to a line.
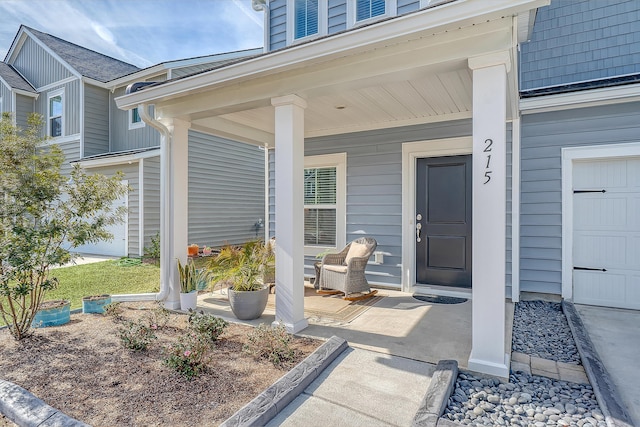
point(443, 221)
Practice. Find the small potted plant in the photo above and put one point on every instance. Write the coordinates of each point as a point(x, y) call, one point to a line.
point(188, 285)
point(245, 269)
point(192, 250)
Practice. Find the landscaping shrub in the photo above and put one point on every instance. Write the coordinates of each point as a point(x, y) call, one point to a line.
point(136, 336)
point(207, 325)
point(189, 355)
point(158, 317)
point(113, 310)
point(270, 343)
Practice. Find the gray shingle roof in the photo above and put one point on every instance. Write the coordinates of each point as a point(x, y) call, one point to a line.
point(87, 62)
point(14, 79)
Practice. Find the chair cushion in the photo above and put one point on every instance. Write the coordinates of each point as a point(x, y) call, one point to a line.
point(336, 268)
point(357, 250)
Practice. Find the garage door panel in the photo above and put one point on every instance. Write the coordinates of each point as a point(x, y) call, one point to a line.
point(606, 232)
point(600, 251)
point(597, 288)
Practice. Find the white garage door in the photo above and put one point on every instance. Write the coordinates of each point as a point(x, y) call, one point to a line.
point(606, 233)
point(118, 245)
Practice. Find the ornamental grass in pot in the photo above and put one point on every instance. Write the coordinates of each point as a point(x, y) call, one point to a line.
point(189, 279)
point(244, 268)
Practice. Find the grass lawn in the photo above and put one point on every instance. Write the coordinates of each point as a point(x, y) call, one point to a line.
point(107, 277)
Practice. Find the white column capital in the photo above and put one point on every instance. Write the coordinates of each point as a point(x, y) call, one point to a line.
point(491, 60)
point(173, 123)
point(289, 100)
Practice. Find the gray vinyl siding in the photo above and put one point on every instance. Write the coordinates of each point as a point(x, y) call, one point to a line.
point(123, 139)
point(38, 66)
point(151, 171)
point(336, 16)
point(581, 40)
point(226, 190)
point(406, 6)
point(131, 174)
point(277, 24)
point(543, 136)
point(71, 150)
point(71, 105)
point(24, 108)
point(5, 99)
point(96, 120)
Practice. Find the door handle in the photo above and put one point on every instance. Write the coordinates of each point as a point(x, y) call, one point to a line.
point(418, 232)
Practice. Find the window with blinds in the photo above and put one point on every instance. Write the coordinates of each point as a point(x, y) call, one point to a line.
point(306, 18)
point(320, 206)
point(366, 9)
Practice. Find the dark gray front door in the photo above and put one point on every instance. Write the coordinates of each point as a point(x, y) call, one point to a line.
point(443, 221)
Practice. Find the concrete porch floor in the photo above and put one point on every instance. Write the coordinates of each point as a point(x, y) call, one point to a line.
point(397, 325)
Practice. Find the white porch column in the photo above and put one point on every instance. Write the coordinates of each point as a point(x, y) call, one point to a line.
point(174, 191)
point(489, 214)
point(289, 149)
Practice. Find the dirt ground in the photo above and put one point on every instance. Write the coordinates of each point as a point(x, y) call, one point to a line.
point(82, 369)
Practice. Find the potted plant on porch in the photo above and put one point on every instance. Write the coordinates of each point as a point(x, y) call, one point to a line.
point(189, 278)
point(244, 269)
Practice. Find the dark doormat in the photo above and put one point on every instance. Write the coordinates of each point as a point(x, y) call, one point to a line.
point(436, 299)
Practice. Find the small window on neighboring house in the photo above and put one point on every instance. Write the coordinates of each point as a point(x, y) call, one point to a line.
point(134, 119)
point(306, 18)
point(366, 9)
point(55, 113)
point(324, 202)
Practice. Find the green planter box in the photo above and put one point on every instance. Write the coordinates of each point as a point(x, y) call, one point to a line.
point(52, 313)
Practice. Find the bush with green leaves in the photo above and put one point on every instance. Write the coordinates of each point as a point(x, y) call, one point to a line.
point(189, 355)
point(44, 212)
point(136, 336)
point(153, 250)
point(206, 324)
point(272, 343)
point(158, 317)
point(114, 310)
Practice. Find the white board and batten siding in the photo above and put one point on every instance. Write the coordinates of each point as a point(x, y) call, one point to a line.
point(606, 232)
point(543, 137)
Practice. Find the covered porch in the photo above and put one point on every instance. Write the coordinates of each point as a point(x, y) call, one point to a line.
point(450, 67)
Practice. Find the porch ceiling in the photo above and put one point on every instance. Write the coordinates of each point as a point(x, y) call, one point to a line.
point(435, 96)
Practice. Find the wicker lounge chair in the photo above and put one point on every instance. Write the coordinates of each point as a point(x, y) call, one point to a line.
point(344, 272)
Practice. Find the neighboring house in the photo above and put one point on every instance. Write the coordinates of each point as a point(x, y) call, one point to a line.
point(468, 137)
point(74, 88)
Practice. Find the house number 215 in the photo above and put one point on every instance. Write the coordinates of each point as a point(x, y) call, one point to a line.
point(487, 170)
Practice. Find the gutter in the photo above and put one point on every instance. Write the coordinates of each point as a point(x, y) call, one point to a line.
point(165, 267)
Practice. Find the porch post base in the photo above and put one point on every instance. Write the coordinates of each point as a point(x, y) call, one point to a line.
point(292, 328)
point(490, 368)
point(172, 305)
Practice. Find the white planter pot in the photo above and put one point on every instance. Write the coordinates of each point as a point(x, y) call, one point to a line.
point(189, 300)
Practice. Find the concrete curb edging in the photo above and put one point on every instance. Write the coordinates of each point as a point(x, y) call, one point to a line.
point(274, 399)
point(26, 410)
point(603, 387)
point(435, 399)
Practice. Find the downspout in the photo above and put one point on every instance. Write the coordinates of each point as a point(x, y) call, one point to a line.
point(515, 173)
point(263, 6)
point(165, 268)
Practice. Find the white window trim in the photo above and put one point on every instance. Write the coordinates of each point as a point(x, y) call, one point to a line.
point(132, 125)
point(323, 8)
point(339, 161)
point(425, 3)
point(390, 9)
point(50, 95)
point(569, 156)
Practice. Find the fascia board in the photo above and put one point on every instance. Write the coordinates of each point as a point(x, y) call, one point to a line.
point(136, 77)
point(428, 21)
point(586, 98)
point(5, 83)
point(26, 93)
point(118, 160)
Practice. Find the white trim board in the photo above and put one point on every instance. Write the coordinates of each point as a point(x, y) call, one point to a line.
point(118, 160)
point(569, 155)
point(411, 151)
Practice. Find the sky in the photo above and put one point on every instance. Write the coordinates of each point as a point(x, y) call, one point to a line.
point(140, 32)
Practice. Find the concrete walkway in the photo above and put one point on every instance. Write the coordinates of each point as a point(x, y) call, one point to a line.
point(361, 388)
point(615, 334)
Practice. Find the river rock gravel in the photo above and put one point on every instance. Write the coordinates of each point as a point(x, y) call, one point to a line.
point(527, 400)
point(540, 329)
